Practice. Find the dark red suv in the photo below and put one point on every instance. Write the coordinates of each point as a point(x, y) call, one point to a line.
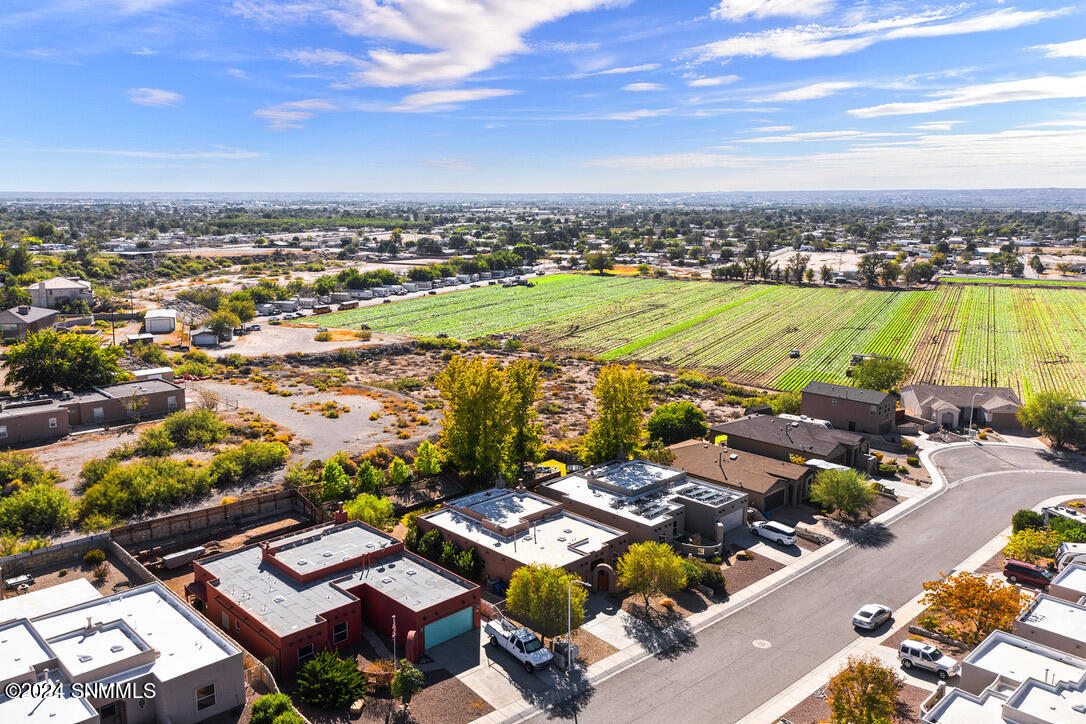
point(1021, 572)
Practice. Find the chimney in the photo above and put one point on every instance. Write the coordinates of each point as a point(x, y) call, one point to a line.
point(24, 310)
point(340, 515)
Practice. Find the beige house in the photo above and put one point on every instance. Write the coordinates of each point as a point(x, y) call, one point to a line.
point(54, 293)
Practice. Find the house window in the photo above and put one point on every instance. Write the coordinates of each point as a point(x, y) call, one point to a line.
point(833, 402)
point(305, 653)
point(52, 423)
point(99, 414)
point(3, 431)
point(171, 402)
point(205, 697)
point(339, 632)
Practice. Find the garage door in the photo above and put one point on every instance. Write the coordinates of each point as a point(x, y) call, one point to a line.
point(446, 628)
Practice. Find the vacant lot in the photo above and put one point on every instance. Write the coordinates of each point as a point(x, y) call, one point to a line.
point(1023, 337)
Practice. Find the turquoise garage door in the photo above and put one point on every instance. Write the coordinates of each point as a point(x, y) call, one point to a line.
point(446, 628)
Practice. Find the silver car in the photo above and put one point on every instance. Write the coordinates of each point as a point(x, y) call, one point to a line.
point(871, 616)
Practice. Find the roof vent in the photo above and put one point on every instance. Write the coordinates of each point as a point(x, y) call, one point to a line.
point(327, 554)
point(84, 658)
point(279, 599)
point(411, 571)
point(567, 530)
point(116, 648)
point(561, 539)
point(302, 562)
point(386, 579)
point(733, 456)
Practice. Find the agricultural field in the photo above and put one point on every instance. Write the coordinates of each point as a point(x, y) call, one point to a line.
point(1024, 337)
point(1025, 282)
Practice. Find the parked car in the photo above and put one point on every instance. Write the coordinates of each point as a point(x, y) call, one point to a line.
point(871, 616)
point(776, 532)
point(522, 643)
point(794, 354)
point(1020, 571)
point(254, 327)
point(926, 656)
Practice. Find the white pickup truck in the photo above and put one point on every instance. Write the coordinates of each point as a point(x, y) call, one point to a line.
point(522, 643)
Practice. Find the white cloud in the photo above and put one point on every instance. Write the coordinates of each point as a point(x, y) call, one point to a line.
point(292, 113)
point(817, 136)
point(711, 81)
point(1071, 49)
point(237, 73)
point(744, 9)
point(771, 129)
point(671, 161)
point(642, 87)
point(440, 100)
point(154, 97)
point(229, 154)
point(636, 115)
point(936, 125)
point(621, 70)
point(807, 92)
point(1029, 89)
point(451, 164)
point(460, 37)
point(817, 41)
point(144, 51)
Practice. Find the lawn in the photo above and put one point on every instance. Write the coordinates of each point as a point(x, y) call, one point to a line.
point(1027, 337)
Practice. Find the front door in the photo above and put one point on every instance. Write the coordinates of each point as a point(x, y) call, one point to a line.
point(112, 713)
point(601, 579)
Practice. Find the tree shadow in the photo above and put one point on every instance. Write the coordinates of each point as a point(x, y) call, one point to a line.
point(565, 699)
point(1065, 459)
point(866, 535)
point(664, 634)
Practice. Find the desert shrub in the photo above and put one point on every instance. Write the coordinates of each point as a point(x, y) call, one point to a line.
point(100, 572)
point(154, 442)
point(297, 476)
point(913, 460)
point(36, 509)
point(370, 509)
point(195, 428)
point(249, 458)
point(322, 337)
point(1027, 519)
point(21, 469)
point(268, 707)
point(94, 557)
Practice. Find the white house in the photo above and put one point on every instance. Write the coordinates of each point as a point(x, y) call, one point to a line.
point(52, 293)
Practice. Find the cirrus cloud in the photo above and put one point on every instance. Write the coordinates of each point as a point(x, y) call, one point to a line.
point(154, 97)
point(1046, 87)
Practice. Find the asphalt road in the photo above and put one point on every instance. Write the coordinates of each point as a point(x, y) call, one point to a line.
point(721, 675)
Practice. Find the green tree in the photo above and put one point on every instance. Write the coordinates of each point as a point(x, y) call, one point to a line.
point(241, 307)
point(650, 569)
point(329, 682)
point(525, 443)
point(268, 707)
point(622, 393)
point(406, 682)
point(1027, 519)
point(427, 459)
point(475, 426)
point(335, 485)
point(598, 261)
point(876, 373)
point(370, 509)
point(674, 422)
point(537, 596)
point(369, 477)
point(864, 691)
point(1031, 544)
point(826, 274)
point(870, 267)
point(19, 261)
point(848, 491)
point(223, 324)
point(49, 361)
point(398, 472)
point(1057, 415)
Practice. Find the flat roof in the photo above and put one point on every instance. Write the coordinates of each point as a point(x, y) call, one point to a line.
point(1058, 616)
point(164, 313)
point(1016, 658)
point(141, 387)
point(410, 580)
point(547, 541)
point(328, 545)
point(47, 600)
point(1048, 702)
point(23, 649)
point(637, 508)
point(634, 476)
point(1072, 577)
point(959, 707)
point(184, 640)
point(82, 651)
point(66, 708)
point(505, 508)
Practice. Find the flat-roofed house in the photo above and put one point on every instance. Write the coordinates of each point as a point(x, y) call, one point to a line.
point(513, 528)
point(768, 483)
point(653, 502)
point(287, 599)
point(1013, 659)
point(1069, 584)
point(1054, 622)
point(172, 665)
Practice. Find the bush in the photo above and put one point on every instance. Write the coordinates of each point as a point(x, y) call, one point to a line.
point(430, 545)
point(94, 557)
point(288, 717)
point(913, 460)
point(398, 472)
point(101, 572)
point(329, 682)
point(246, 459)
point(36, 509)
point(322, 337)
point(154, 442)
point(1027, 519)
point(268, 707)
point(370, 509)
point(22, 470)
point(674, 422)
point(194, 429)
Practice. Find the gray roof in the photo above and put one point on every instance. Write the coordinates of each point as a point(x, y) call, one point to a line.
point(33, 314)
point(844, 392)
point(799, 436)
point(962, 396)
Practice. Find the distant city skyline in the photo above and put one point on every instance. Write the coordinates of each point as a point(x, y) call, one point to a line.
point(540, 96)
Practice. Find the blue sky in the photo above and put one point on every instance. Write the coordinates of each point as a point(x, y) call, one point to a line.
point(540, 95)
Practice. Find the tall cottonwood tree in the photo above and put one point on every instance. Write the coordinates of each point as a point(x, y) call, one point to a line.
point(622, 394)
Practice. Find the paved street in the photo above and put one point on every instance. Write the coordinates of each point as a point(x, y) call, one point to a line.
point(726, 670)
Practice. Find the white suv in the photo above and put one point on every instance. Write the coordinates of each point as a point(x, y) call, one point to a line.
point(926, 656)
point(776, 532)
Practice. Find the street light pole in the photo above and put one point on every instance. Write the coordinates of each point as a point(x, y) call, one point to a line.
point(569, 623)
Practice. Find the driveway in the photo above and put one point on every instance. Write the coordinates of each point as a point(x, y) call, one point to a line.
point(734, 665)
